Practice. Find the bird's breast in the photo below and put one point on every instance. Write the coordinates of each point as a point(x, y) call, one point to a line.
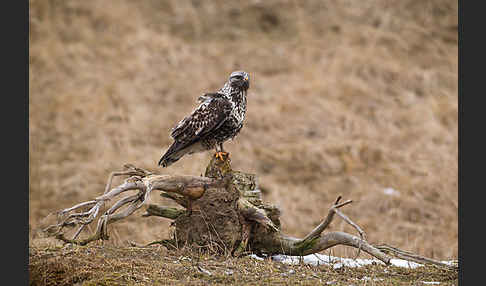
point(239, 107)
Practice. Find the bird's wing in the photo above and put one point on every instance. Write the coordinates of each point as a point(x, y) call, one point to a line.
point(208, 116)
point(207, 96)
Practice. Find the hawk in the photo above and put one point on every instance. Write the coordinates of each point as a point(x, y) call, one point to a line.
point(218, 117)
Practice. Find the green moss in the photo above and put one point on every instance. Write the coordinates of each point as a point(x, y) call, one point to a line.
point(304, 246)
point(217, 168)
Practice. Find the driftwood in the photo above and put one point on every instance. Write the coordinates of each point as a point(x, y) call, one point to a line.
point(222, 211)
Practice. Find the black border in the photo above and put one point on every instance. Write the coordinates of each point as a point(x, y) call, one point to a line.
point(22, 36)
point(461, 182)
point(15, 103)
point(15, 81)
point(460, 131)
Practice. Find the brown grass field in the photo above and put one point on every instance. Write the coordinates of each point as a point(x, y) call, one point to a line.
point(346, 98)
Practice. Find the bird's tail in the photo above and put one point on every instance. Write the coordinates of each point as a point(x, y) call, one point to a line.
point(174, 153)
point(177, 150)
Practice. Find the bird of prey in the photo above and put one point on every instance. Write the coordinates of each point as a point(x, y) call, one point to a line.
point(218, 117)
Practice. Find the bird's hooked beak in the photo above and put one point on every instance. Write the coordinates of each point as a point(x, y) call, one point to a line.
point(246, 82)
point(240, 79)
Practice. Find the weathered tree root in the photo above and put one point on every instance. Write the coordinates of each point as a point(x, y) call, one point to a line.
point(315, 242)
point(191, 187)
point(222, 211)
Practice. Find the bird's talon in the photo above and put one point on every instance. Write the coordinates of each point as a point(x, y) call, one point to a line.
point(221, 155)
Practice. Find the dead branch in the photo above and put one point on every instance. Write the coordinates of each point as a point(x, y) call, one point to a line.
point(402, 254)
point(315, 242)
point(176, 198)
point(166, 212)
point(190, 187)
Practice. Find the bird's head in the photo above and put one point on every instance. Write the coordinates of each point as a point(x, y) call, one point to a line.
point(240, 79)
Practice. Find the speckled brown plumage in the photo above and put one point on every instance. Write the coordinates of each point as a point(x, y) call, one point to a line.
point(218, 117)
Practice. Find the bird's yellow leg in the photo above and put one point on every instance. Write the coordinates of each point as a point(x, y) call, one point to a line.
point(221, 155)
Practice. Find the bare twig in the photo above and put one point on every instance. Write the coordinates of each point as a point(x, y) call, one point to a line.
point(168, 243)
point(316, 232)
point(412, 256)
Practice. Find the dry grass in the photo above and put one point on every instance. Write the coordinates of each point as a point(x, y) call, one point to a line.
point(105, 265)
point(363, 93)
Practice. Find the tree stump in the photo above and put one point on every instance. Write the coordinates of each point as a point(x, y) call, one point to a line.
point(221, 219)
point(223, 212)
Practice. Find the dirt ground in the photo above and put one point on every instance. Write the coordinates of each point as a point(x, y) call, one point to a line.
point(351, 98)
point(111, 265)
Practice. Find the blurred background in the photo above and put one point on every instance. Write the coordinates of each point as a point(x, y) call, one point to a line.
point(351, 98)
